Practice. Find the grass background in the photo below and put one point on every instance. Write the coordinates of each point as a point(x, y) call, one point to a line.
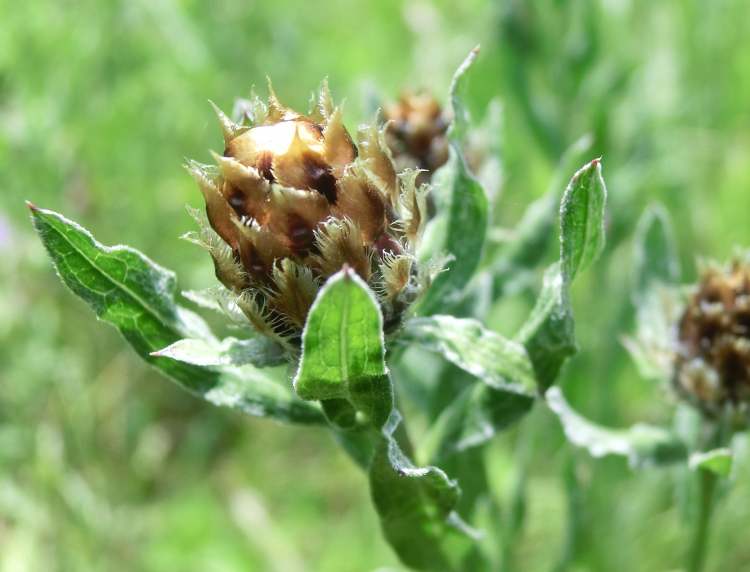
point(105, 466)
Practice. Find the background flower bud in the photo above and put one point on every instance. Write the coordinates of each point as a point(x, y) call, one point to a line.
point(712, 367)
point(416, 133)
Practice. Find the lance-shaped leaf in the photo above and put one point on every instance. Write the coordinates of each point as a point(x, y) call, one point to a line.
point(129, 291)
point(343, 351)
point(582, 220)
point(416, 506)
point(495, 360)
point(548, 334)
point(643, 445)
point(258, 352)
point(462, 210)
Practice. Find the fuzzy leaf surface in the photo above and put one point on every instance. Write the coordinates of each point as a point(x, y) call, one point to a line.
point(582, 235)
point(343, 350)
point(135, 295)
point(643, 445)
point(498, 362)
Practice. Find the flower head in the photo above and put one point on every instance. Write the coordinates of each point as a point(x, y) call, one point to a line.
point(293, 199)
point(712, 366)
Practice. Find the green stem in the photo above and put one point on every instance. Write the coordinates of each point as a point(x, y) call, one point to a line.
point(706, 495)
point(717, 435)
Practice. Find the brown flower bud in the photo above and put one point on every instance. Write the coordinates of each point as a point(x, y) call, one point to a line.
point(712, 367)
point(292, 200)
point(416, 133)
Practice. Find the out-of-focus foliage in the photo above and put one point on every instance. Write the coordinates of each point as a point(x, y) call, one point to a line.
point(103, 466)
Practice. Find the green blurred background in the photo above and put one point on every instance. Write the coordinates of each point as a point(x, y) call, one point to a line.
point(106, 466)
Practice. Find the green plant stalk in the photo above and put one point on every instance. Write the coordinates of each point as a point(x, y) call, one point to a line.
point(718, 435)
point(707, 481)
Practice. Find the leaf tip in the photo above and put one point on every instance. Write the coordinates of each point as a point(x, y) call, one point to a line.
point(346, 272)
point(469, 60)
point(32, 207)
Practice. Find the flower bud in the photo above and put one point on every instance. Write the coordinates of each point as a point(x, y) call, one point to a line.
point(712, 367)
point(416, 133)
point(293, 200)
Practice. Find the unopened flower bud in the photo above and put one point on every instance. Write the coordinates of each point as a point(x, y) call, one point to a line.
point(416, 133)
point(293, 199)
point(712, 367)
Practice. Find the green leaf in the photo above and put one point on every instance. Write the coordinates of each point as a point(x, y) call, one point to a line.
point(129, 291)
point(548, 334)
point(462, 211)
point(718, 461)
point(655, 258)
point(343, 351)
point(416, 506)
point(497, 361)
point(643, 445)
point(259, 352)
point(582, 220)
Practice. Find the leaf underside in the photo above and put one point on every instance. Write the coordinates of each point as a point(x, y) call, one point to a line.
point(643, 445)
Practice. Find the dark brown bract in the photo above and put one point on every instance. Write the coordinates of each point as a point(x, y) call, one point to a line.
point(293, 199)
point(713, 358)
